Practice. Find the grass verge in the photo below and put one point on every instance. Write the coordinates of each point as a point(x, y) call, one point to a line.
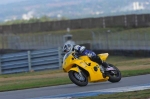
point(145, 94)
point(128, 73)
point(33, 83)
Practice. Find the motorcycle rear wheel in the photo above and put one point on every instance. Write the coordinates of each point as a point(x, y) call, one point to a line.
point(77, 79)
point(114, 77)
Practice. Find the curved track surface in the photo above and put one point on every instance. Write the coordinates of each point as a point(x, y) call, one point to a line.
point(71, 88)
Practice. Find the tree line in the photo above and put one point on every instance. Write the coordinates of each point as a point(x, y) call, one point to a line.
point(32, 20)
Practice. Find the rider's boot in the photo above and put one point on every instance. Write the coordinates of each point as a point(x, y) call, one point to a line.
point(100, 62)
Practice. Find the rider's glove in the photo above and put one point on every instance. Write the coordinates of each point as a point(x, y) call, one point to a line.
point(91, 54)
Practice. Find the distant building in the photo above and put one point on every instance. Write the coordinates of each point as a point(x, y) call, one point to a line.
point(137, 6)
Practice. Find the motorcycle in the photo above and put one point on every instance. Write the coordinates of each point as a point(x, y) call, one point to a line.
point(81, 70)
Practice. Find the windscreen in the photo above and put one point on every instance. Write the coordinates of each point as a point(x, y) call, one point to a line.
point(66, 55)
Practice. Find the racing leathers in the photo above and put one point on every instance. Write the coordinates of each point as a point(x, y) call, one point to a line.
point(81, 50)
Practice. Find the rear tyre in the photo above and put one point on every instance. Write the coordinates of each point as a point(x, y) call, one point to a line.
point(76, 78)
point(114, 75)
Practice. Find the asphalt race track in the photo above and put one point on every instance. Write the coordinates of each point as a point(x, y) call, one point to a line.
point(71, 88)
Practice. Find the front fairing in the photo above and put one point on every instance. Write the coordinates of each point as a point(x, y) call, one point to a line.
point(70, 60)
point(65, 56)
point(67, 61)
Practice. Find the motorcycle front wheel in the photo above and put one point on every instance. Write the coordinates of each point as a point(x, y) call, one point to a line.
point(114, 75)
point(78, 79)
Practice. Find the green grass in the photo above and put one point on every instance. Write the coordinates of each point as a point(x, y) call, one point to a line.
point(145, 94)
point(78, 34)
point(116, 59)
point(127, 61)
point(127, 73)
point(32, 83)
point(31, 73)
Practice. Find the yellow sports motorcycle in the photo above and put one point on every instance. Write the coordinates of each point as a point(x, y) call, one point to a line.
point(82, 70)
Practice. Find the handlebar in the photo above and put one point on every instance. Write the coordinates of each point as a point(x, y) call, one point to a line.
point(75, 55)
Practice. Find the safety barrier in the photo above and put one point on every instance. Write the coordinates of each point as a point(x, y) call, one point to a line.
point(30, 61)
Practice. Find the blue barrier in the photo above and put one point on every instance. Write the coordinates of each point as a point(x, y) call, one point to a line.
point(30, 61)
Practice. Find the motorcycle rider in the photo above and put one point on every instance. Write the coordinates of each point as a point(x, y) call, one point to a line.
point(81, 50)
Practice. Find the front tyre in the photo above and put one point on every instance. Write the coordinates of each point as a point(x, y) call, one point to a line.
point(78, 79)
point(114, 75)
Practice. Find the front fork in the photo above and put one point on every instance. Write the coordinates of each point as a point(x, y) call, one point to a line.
point(102, 69)
point(80, 72)
point(79, 75)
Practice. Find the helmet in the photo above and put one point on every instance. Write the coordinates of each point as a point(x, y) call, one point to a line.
point(67, 47)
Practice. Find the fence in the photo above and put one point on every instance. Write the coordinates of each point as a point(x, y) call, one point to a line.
point(36, 41)
point(127, 21)
point(30, 61)
point(127, 40)
point(121, 41)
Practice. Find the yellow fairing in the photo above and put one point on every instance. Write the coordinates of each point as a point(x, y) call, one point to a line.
point(85, 63)
point(74, 69)
point(68, 63)
point(94, 76)
point(103, 56)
